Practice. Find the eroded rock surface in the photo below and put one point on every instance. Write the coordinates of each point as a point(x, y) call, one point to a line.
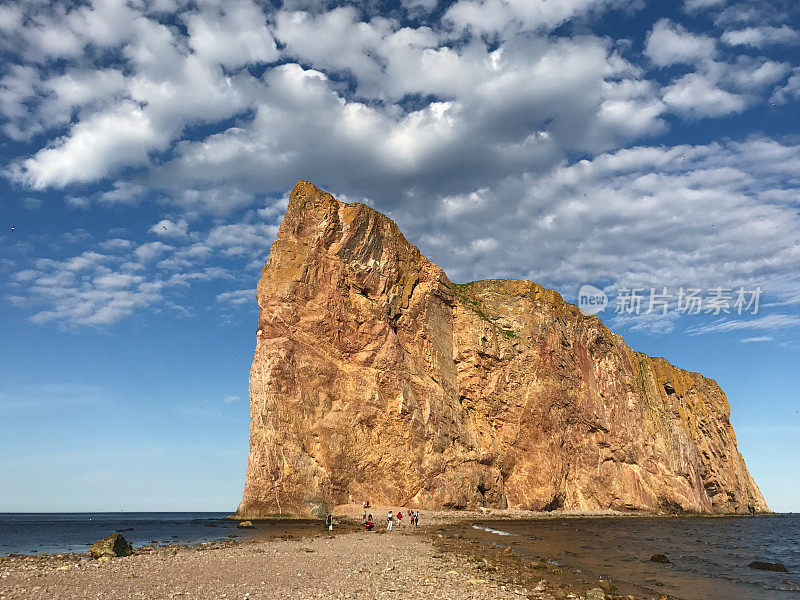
point(375, 377)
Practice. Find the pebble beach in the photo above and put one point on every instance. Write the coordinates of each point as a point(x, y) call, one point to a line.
point(304, 563)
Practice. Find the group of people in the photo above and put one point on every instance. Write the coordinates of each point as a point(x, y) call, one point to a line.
point(369, 524)
point(413, 518)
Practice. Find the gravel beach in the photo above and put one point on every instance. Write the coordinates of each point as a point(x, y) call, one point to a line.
point(347, 565)
point(300, 559)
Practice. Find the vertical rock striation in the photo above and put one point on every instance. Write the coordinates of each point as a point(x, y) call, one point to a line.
point(376, 377)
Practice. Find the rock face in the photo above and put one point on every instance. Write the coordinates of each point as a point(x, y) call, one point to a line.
point(375, 377)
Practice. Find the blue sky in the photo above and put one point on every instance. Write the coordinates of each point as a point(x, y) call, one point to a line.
point(147, 149)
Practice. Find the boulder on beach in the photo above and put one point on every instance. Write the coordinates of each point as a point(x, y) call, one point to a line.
point(660, 558)
point(245, 525)
point(111, 546)
point(595, 594)
point(768, 566)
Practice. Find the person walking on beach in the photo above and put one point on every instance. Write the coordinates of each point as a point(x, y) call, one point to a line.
point(368, 525)
point(416, 518)
point(330, 522)
point(389, 520)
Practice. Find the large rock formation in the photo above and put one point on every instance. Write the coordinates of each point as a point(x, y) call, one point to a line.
point(376, 377)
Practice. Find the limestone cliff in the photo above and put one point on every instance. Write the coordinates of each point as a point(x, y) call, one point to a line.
point(376, 377)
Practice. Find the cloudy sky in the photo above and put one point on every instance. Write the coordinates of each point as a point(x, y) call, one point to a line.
point(147, 149)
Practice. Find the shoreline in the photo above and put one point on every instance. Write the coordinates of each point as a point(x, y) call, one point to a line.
point(479, 562)
point(350, 563)
point(428, 557)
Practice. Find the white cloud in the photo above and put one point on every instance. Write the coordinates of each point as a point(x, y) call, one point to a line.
point(220, 200)
point(518, 152)
point(695, 5)
point(768, 322)
point(759, 37)
point(116, 244)
point(232, 36)
point(698, 95)
point(241, 238)
point(669, 43)
point(504, 15)
point(788, 92)
point(230, 399)
point(621, 218)
point(170, 229)
point(760, 338)
point(151, 250)
point(89, 153)
point(237, 297)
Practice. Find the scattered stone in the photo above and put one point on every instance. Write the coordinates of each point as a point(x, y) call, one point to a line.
point(508, 551)
point(768, 566)
point(111, 546)
point(660, 558)
point(595, 594)
point(245, 525)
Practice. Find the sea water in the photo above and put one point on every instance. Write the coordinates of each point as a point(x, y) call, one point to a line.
point(709, 556)
point(53, 533)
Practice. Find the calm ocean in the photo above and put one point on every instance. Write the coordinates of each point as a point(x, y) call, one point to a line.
point(709, 556)
point(50, 533)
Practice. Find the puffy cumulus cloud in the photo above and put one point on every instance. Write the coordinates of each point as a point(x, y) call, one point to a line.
point(211, 105)
point(698, 95)
point(89, 153)
point(506, 137)
point(489, 16)
point(669, 43)
point(720, 88)
point(758, 37)
point(498, 112)
point(170, 229)
point(232, 36)
point(486, 107)
point(788, 92)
